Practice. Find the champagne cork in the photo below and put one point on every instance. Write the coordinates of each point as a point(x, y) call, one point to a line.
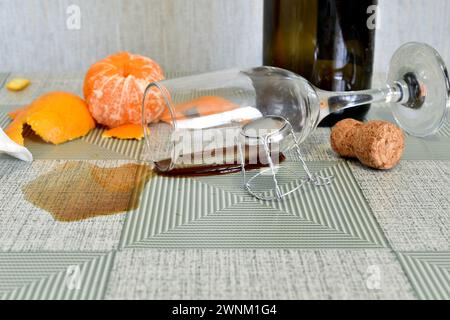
point(377, 144)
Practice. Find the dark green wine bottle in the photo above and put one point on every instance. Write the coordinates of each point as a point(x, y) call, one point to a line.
point(329, 42)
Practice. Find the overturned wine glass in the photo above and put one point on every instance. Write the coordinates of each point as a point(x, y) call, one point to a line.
point(217, 119)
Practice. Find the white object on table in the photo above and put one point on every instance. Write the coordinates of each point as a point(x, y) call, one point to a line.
point(13, 149)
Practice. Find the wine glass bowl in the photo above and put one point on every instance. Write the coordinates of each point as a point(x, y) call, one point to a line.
point(285, 94)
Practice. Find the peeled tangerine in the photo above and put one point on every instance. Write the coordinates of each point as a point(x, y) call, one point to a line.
point(114, 90)
point(57, 117)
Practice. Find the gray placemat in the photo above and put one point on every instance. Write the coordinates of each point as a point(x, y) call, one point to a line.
point(215, 212)
point(46, 276)
point(258, 274)
point(131, 149)
point(429, 273)
point(371, 234)
point(411, 203)
point(4, 120)
point(25, 227)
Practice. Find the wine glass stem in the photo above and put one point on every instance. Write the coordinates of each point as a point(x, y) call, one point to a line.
point(331, 102)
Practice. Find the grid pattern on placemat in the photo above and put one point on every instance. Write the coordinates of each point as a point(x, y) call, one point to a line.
point(429, 273)
point(129, 148)
point(46, 276)
point(4, 120)
point(215, 212)
point(445, 131)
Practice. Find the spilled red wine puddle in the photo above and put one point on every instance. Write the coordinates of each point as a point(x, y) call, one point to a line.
point(76, 191)
point(254, 159)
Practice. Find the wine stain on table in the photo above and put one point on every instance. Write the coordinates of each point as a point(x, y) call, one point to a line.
point(76, 191)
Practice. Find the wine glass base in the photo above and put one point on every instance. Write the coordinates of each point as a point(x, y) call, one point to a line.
point(419, 69)
point(276, 181)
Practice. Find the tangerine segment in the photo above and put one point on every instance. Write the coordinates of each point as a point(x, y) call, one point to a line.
point(203, 106)
point(56, 117)
point(114, 90)
point(125, 132)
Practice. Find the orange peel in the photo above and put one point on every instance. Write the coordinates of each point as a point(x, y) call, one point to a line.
point(125, 132)
point(15, 113)
point(56, 117)
point(18, 84)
